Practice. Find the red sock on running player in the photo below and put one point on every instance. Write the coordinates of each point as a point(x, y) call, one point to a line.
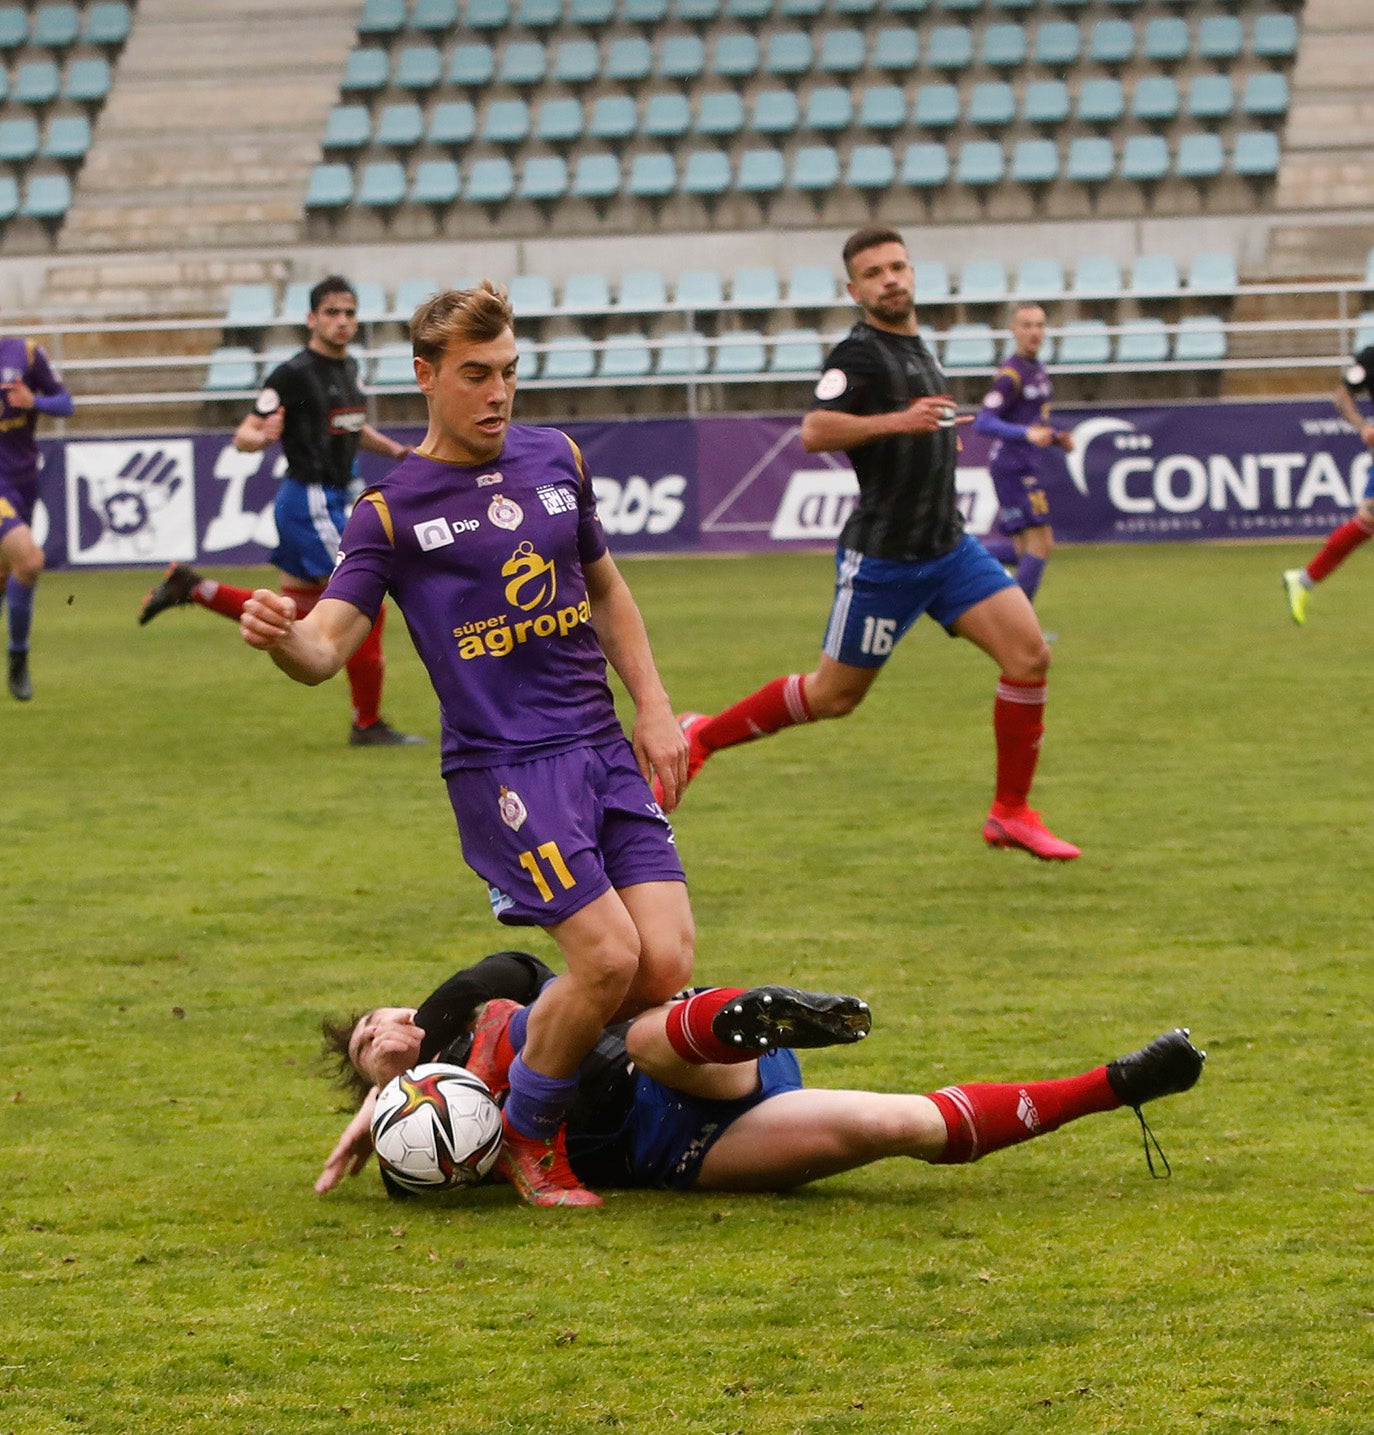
point(1342, 542)
point(776, 705)
point(689, 1028)
point(221, 598)
point(365, 671)
point(1018, 721)
point(987, 1116)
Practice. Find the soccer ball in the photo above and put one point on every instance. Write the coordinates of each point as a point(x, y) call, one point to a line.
point(436, 1126)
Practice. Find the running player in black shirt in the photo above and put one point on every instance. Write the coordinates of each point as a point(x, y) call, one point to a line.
point(882, 400)
point(314, 405)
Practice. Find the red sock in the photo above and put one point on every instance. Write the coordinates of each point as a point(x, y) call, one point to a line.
point(1338, 547)
point(221, 598)
point(1018, 720)
point(689, 1028)
point(987, 1116)
point(365, 669)
point(776, 705)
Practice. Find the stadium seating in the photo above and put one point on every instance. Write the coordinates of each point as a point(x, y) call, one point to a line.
point(232, 367)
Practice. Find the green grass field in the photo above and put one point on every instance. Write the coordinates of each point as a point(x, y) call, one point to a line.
point(196, 867)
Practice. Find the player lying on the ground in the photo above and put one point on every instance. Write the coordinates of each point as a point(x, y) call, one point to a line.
point(681, 1098)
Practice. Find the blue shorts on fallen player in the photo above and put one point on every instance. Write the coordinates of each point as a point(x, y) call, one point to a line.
point(877, 600)
point(310, 520)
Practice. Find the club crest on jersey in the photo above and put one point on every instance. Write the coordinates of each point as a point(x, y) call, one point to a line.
point(513, 811)
point(505, 513)
point(488, 480)
point(832, 384)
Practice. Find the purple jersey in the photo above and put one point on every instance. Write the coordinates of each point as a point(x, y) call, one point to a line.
point(1020, 396)
point(22, 361)
point(486, 564)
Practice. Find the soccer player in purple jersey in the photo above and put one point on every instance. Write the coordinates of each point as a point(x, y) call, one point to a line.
point(1016, 416)
point(31, 386)
point(487, 536)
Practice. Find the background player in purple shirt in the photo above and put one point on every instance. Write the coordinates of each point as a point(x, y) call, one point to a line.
point(488, 538)
point(1016, 416)
point(31, 386)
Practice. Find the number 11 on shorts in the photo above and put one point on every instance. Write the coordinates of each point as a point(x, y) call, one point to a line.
point(550, 853)
point(879, 636)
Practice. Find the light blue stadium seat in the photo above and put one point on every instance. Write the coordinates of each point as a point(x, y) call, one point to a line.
point(861, 9)
point(950, 48)
point(1057, 44)
point(871, 167)
point(1101, 101)
point(381, 184)
point(958, 6)
point(295, 303)
point(815, 168)
point(1045, 102)
point(400, 125)
point(1256, 154)
point(1167, 40)
point(796, 351)
point(543, 178)
point(738, 353)
point(1212, 273)
point(46, 196)
point(1155, 99)
point(1091, 160)
point(452, 122)
point(418, 67)
point(842, 52)
point(1004, 46)
point(969, 346)
point(666, 116)
point(107, 23)
point(1155, 276)
point(983, 281)
point(232, 367)
point(1369, 268)
point(699, 289)
point(761, 171)
point(882, 108)
point(68, 137)
point(707, 173)
point(597, 176)
point(642, 289)
point(568, 361)
point(904, 7)
point(720, 112)
point(629, 60)
point(652, 176)
point(644, 12)
point(9, 197)
point(895, 48)
point(1145, 158)
point(931, 280)
point(1085, 341)
point(250, 306)
point(330, 187)
point(14, 28)
point(992, 104)
point(812, 286)
point(1035, 161)
point(36, 82)
point(382, 17)
point(523, 62)
point(1097, 274)
point(981, 163)
point(748, 12)
point(434, 16)
point(395, 366)
point(1219, 37)
point(539, 14)
point(775, 112)
point(613, 117)
point(681, 57)
point(925, 165)
point(559, 121)
point(1200, 339)
point(347, 127)
point(828, 109)
point(756, 287)
point(682, 353)
point(937, 107)
point(1265, 95)
point(625, 356)
point(591, 13)
point(696, 12)
point(1210, 97)
point(576, 62)
point(490, 181)
point(506, 122)
point(472, 64)
point(18, 140)
point(1142, 341)
point(789, 52)
point(436, 182)
point(1111, 42)
point(55, 27)
point(531, 295)
point(1199, 156)
point(585, 294)
point(1364, 331)
point(409, 295)
point(1274, 36)
point(486, 14)
point(1039, 277)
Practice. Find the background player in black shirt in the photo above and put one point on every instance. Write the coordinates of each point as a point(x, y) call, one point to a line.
point(314, 404)
point(1299, 582)
point(883, 401)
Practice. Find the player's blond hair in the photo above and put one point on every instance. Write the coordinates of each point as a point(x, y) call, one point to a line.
point(474, 316)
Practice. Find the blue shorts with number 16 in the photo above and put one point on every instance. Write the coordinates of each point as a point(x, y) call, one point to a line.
point(877, 600)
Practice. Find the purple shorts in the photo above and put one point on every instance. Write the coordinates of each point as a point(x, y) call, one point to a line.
point(1021, 500)
point(551, 835)
point(16, 507)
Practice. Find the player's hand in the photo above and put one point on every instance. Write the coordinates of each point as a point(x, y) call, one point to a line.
point(267, 619)
point(1064, 439)
point(1041, 435)
point(18, 394)
point(929, 415)
point(350, 1153)
point(660, 748)
point(1366, 433)
point(272, 426)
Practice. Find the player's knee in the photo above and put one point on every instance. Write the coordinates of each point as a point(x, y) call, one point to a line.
point(1030, 663)
point(667, 965)
point(605, 970)
point(1367, 510)
point(29, 565)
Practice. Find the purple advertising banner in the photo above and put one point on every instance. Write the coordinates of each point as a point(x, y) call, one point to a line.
point(721, 484)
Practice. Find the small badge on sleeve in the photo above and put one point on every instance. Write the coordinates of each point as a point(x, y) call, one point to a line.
point(269, 401)
point(1355, 375)
point(832, 384)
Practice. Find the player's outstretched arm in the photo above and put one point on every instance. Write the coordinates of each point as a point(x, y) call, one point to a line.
point(350, 1153)
point(376, 442)
point(308, 649)
point(834, 431)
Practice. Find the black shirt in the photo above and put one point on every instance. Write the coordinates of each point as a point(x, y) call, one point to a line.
point(324, 415)
point(908, 508)
point(1360, 374)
